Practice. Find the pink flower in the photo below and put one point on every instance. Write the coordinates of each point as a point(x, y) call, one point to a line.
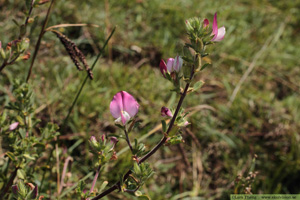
point(172, 65)
point(123, 107)
point(166, 112)
point(13, 126)
point(163, 67)
point(218, 33)
point(205, 23)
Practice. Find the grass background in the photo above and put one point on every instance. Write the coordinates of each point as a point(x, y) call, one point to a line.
point(225, 133)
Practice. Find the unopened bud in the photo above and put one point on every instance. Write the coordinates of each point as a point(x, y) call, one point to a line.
point(13, 126)
point(30, 20)
point(166, 112)
point(15, 189)
point(93, 142)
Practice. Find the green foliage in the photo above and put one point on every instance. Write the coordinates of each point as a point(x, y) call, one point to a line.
point(263, 119)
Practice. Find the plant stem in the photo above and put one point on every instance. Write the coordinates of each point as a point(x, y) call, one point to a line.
point(86, 78)
point(95, 179)
point(9, 183)
point(162, 141)
point(27, 18)
point(38, 43)
point(128, 141)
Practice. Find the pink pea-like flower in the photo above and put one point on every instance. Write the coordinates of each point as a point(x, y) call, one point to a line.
point(166, 112)
point(205, 23)
point(163, 67)
point(123, 107)
point(13, 126)
point(173, 64)
point(218, 33)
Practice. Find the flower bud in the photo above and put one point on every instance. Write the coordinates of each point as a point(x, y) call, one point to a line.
point(94, 143)
point(170, 64)
point(166, 112)
point(188, 26)
point(163, 67)
point(15, 189)
point(13, 126)
point(177, 63)
point(114, 140)
point(205, 23)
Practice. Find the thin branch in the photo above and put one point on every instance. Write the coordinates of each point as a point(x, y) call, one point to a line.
point(95, 179)
point(69, 158)
point(128, 141)
point(9, 183)
point(37, 46)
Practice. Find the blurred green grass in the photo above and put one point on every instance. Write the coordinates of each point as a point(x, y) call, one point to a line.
point(263, 118)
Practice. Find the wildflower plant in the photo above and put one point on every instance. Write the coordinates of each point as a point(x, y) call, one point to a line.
point(181, 71)
point(26, 141)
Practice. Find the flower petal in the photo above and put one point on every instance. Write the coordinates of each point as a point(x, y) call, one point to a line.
point(177, 63)
point(166, 112)
point(205, 23)
point(170, 63)
point(215, 26)
point(116, 105)
point(163, 67)
point(130, 105)
point(220, 35)
point(13, 126)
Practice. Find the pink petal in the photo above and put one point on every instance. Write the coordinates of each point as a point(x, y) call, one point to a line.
point(177, 63)
point(116, 105)
point(124, 117)
point(205, 23)
point(163, 67)
point(215, 26)
point(170, 62)
point(166, 112)
point(220, 35)
point(130, 105)
point(13, 126)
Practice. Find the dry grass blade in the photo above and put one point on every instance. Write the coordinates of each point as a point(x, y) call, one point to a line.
point(74, 52)
point(71, 25)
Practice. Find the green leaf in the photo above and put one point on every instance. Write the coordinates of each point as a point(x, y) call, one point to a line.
point(204, 66)
point(104, 184)
point(28, 156)
point(11, 156)
point(21, 174)
point(144, 197)
point(198, 85)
